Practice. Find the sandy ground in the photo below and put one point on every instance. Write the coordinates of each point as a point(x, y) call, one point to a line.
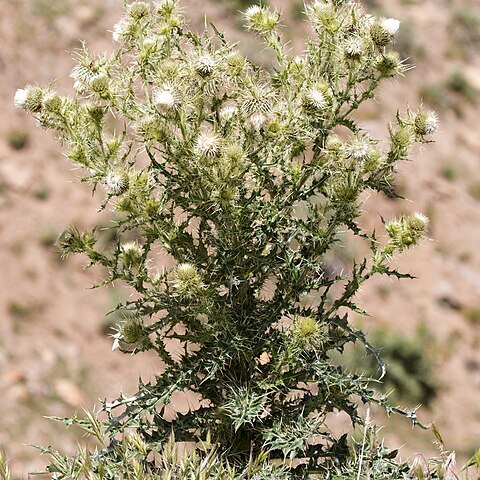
point(55, 357)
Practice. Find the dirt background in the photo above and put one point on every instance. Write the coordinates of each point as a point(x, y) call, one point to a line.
point(55, 357)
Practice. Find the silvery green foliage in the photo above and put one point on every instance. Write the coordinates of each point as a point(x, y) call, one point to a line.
point(246, 177)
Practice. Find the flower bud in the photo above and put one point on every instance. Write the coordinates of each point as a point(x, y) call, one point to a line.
point(72, 241)
point(100, 84)
point(131, 254)
point(30, 98)
point(400, 142)
point(389, 64)
point(261, 19)
point(187, 279)
point(52, 103)
point(426, 123)
point(138, 10)
point(406, 232)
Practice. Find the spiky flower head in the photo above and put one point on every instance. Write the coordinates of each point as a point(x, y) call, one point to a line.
point(407, 232)
point(389, 65)
point(123, 29)
point(166, 8)
point(314, 100)
point(185, 272)
point(138, 10)
point(258, 98)
point(149, 128)
point(72, 241)
point(52, 103)
point(165, 99)
point(116, 182)
point(205, 64)
point(400, 141)
point(187, 279)
point(382, 31)
point(354, 47)
point(426, 123)
point(30, 98)
point(207, 144)
point(131, 336)
point(100, 84)
point(358, 147)
point(257, 121)
point(226, 113)
point(131, 253)
point(261, 19)
point(417, 221)
point(305, 331)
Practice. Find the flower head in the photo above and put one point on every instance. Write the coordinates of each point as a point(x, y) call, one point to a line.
point(131, 253)
point(358, 147)
point(30, 98)
point(205, 64)
point(116, 182)
point(390, 25)
point(261, 19)
point(165, 99)
point(426, 123)
point(208, 144)
point(20, 98)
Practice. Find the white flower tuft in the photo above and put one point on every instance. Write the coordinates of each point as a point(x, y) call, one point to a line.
point(165, 99)
point(252, 11)
point(391, 25)
point(20, 98)
point(358, 148)
point(116, 183)
point(208, 145)
point(227, 113)
point(257, 121)
point(205, 64)
point(316, 99)
point(431, 123)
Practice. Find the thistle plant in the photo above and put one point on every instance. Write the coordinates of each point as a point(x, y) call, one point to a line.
point(246, 176)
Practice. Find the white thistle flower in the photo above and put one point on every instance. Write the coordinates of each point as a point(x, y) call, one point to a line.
point(165, 99)
point(20, 98)
point(316, 99)
point(354, 47)
point(227, 113)
point(185, 272)
point(358, 148)
point(257, 121)
point(132, 248)
point(116, 183)
point(431, 123)
point(205, 64)
point(418, 221)
point(121, 30)
point(253, 10)
point(208, 144)
point(391, 25)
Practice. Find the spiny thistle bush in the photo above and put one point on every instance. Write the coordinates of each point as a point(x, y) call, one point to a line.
point(246, 177)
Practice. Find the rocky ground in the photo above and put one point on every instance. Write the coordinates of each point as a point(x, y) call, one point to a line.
point(55, 353)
